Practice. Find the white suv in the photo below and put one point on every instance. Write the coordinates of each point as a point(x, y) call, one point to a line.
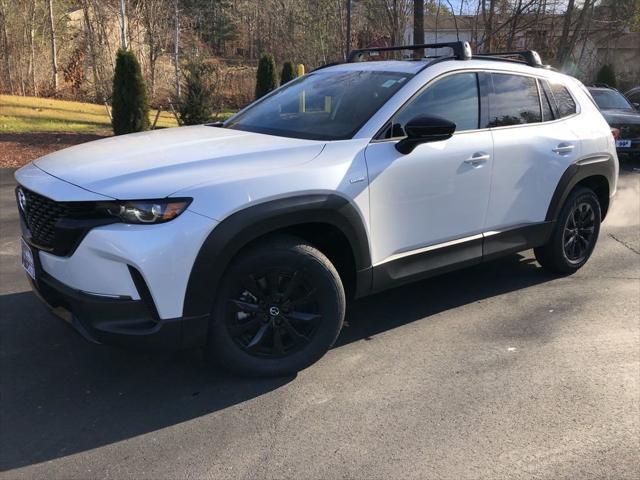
point(247, 237)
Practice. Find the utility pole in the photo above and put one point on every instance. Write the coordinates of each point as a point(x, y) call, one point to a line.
point(348, 39)
point(123, 25)
point(54, 55)
point(176, 58)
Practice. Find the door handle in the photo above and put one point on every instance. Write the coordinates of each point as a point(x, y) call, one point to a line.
point(477, 159)
point(564, 148)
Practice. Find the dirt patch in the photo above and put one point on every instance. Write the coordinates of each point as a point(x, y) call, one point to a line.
point(17, 149)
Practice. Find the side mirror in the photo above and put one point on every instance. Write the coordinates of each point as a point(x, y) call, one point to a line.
point(423, 129)
point(637, 106)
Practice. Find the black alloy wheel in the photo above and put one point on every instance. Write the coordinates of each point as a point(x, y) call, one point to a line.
point(279, 307)
point(579, 232)
point(274, 314)
point(575, 233)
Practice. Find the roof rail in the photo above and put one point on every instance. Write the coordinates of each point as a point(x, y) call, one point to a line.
point(461, 50)
point(530, 57)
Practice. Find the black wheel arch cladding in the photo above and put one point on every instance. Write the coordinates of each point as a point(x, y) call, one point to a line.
point(579, 173)
point(251, 223)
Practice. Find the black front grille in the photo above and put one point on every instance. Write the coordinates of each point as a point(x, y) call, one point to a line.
point(57, 227)
point(41, 214)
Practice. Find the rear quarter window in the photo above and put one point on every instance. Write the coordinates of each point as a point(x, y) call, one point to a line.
point(565, 102)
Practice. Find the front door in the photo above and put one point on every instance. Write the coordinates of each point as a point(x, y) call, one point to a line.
point(437, 195)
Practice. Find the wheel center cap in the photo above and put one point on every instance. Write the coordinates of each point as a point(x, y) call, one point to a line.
point(274, 311)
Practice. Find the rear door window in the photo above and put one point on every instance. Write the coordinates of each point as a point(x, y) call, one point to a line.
point(514, 100)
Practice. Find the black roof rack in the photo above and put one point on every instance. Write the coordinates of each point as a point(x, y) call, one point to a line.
point(461, 50)
point(530, 57)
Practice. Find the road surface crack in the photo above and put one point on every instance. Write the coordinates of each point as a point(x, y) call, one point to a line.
point(622, 242)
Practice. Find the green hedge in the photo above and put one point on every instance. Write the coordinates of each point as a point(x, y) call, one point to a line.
point(130, 106)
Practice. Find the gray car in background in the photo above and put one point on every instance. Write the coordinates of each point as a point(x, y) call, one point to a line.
point(621, 115)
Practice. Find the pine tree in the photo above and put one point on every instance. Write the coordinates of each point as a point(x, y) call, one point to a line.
point(130, 107)
point(607, 75)
point(267, 78)
point(197, 104)
point(287, 74)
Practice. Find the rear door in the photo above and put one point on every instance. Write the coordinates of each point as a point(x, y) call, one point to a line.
point(533, 146)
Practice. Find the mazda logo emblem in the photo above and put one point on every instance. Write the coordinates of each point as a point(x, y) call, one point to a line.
point(22, 200)
point(274, 311)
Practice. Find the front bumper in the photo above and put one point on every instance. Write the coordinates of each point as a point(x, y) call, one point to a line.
point(121, 283)
point(117, 321)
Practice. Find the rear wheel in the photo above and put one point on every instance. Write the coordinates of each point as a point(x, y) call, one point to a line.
point(575, 234)
point(279, 309)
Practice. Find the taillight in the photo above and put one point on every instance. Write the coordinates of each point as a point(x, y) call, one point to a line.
point(616, 133)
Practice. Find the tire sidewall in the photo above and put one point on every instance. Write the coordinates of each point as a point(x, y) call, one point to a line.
point(581, 195)
point(318, 271)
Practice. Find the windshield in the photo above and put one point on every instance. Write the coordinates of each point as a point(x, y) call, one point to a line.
point(610, 100)
point(322, 105)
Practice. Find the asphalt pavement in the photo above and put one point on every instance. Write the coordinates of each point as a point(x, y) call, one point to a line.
point(498, 371)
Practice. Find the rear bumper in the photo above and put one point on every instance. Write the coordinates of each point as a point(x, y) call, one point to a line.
point(634, 149)
point(117, 321)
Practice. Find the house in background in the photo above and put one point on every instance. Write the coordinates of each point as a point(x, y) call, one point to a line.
point(599, 47)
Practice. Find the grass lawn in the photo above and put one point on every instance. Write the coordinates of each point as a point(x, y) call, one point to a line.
point(31, 127)
point(32, 115)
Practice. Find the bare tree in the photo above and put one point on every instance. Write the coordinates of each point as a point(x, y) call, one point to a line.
point(54, 54)
point(418, 26)
point(156, 19)
point(571, 29)
point(123, 24)
point(5, 44)
point(176, 58)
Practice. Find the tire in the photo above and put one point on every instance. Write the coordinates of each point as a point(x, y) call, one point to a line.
point(280, 307)
point(575, 234)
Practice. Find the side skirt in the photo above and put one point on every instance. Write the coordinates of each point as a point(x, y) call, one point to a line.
point(451, 256)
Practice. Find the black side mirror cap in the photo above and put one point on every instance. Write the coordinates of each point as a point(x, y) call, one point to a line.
point(423, 129)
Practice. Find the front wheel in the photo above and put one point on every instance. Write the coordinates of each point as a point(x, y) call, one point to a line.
point(575, 234)
point(279, 309)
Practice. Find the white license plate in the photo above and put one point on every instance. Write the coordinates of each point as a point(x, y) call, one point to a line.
point(623, 143)
point(27, 259)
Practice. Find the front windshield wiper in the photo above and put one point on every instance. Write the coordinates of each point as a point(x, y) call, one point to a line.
point(214, 124)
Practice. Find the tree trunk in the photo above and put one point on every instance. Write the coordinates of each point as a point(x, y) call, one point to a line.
point(123, 25)
point(54, 55)
point(5, 43)
point(418, 26)
point(348, 39)
point(32, 49)
point(92, 51)
point(514, 26)
point(152, 68)
point(571, 43)
point(177, 50)
point(488, 41)
point(564, 36)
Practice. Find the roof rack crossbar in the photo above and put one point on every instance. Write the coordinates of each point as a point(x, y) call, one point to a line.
point(461, 50)
point(530, 57)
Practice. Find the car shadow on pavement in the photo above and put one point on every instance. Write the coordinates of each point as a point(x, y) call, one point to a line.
point(62, 395)
point(417, 301)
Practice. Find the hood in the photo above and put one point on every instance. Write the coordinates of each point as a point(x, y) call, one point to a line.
point(158, 163)
point(621, 117)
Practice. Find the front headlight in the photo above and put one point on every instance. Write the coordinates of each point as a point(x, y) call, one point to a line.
point(146, 211)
